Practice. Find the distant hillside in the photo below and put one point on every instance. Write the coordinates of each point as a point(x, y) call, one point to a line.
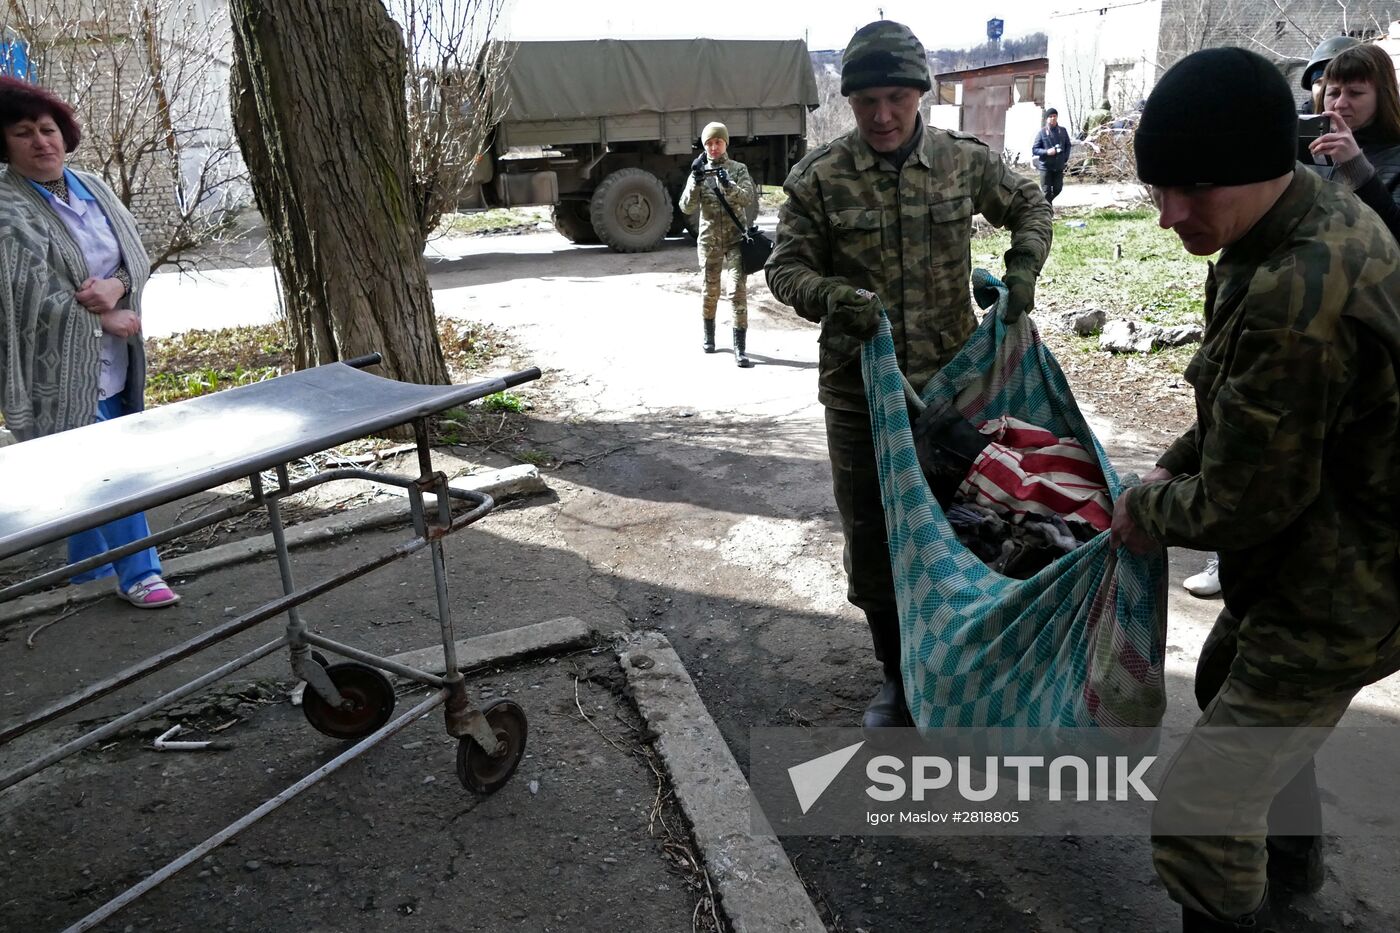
point(1035, 45)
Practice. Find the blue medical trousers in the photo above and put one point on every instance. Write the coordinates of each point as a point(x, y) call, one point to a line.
point(132, 569)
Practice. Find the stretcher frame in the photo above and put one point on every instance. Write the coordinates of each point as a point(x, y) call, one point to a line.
point(326, 405)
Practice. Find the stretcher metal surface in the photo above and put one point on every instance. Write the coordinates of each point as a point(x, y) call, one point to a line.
point(69, 482)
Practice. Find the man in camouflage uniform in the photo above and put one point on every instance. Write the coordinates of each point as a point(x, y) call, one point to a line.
point(712, 176)
point(883, 217)
point(1291, 472)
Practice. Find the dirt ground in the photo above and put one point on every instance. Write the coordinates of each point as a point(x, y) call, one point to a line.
point(693, 497)
point(392, 840)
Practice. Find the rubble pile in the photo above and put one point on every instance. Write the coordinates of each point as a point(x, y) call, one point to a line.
point(1106, 154)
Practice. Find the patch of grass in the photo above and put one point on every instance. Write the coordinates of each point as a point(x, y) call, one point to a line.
point(164, 387)
point(468, 347)
point(198, 362)
point(1155, 279)
point(503, 401)
point(500, 220)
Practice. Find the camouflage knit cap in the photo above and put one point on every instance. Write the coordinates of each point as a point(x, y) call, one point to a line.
point(713, 130)
point(884, 54)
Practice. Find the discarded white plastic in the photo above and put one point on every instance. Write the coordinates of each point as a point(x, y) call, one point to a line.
point(162, 743)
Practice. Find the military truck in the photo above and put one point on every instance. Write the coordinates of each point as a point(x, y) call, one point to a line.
point(605, 130)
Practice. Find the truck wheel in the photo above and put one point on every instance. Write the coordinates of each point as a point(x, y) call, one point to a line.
point(677, 222)
point(571, 220)
point(631, 211)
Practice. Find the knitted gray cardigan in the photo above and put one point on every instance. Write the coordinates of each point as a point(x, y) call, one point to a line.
point(49, 343)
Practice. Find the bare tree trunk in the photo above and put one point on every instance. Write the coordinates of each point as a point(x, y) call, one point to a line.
point(318, 104)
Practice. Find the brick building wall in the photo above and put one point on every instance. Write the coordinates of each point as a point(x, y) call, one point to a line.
point(97, 56)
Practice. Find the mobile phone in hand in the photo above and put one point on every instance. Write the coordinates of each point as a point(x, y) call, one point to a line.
point(1310, 128)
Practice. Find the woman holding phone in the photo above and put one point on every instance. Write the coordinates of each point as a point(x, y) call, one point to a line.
point(1363, 103)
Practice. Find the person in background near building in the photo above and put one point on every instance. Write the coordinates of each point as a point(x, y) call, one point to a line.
point(1296, 442)
point(714, 175)
point(1051, 147)
point(1312, 72)
point(1363, 102)
point(70, 332)
point(882, 217)
point(1097, 118)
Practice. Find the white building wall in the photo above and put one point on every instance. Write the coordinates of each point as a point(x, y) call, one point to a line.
point(1023, 121)
point(945, 116)
point(1084, 41)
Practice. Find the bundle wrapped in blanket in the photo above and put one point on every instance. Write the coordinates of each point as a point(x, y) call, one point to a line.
point(1081, 643)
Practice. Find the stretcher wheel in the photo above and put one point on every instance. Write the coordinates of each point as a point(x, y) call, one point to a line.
point(481, 773)
point(370, 702)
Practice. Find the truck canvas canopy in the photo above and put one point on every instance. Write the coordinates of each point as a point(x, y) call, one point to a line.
point(603, 77)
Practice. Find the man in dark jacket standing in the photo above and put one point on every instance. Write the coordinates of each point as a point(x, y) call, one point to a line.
point(1051, 148)
point(1291, 472)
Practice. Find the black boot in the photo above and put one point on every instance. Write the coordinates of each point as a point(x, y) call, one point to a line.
point(888, 709)
point(740, 357)
point(1261, 921)
point(1295, 865)
point(709, 344)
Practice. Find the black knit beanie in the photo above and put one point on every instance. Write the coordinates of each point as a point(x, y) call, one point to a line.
point(1217, 117)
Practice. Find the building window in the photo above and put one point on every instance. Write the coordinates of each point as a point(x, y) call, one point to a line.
point(950, 92)
point(1029, 89)
point(1119, 87)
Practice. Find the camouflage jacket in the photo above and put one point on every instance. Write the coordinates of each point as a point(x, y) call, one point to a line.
point(851, 217)
point(1292, 470)
point(717, 231)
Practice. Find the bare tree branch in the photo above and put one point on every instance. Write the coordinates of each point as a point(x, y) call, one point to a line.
point(451, 94)
point(147, 80)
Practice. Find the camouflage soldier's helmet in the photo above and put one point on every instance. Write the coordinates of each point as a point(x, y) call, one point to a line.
point(884, 54)
point(1229, 102)
point(1323, 54)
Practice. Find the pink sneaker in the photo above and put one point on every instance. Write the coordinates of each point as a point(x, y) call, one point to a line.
point(150, 593)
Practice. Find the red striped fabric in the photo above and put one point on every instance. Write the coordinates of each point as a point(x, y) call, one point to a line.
point(1028, 469)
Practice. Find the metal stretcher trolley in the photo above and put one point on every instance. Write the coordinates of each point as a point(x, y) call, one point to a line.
point(54, 487)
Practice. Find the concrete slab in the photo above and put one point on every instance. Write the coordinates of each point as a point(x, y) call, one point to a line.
point(515, 644)
point(758, 889)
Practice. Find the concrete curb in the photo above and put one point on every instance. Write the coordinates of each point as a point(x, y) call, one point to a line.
point(758, 889)
point(522, 480)
point(503, 647)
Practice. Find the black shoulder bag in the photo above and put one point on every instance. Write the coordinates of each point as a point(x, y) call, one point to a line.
point(754, 245)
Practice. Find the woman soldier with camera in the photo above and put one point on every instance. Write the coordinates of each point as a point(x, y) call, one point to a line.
point(715, 177)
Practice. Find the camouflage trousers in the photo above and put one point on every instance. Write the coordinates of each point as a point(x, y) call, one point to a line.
point(716, 264)
point(855, 482)
point(1256, 782)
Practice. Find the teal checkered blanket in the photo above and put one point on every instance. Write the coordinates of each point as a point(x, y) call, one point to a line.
point(1080, 644)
